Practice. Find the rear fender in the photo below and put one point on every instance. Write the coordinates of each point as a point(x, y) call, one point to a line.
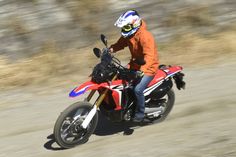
point(175, 72)
point(172, 70)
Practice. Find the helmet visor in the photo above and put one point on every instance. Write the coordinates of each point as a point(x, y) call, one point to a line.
point(127, 28)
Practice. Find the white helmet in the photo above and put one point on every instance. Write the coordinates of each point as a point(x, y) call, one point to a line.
point(129, 22)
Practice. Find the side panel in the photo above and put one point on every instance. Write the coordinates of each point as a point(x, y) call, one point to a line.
point(116, 94)
point(161, 90)
point(158, 77)
point(162, 74)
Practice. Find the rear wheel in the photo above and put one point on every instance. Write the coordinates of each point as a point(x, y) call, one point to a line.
point(166, 105)
point(68, 131)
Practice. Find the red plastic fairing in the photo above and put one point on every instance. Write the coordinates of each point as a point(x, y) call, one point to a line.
point(162, 74)
point(92, 86)
point(159, 76)
point(173, 70)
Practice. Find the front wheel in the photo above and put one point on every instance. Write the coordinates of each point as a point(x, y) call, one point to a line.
point(68, 131)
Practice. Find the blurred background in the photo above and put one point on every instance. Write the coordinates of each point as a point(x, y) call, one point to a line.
point(51, 40)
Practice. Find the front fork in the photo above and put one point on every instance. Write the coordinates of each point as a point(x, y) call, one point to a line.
point(92, 112)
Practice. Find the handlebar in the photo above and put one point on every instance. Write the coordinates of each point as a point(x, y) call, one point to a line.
point(108, 59)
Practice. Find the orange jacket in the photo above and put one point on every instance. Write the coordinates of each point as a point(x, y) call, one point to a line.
point(142, 46)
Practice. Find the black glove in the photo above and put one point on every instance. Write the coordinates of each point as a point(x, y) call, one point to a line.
point(139, 74)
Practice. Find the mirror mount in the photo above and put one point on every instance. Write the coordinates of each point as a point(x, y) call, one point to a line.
point(104, 40)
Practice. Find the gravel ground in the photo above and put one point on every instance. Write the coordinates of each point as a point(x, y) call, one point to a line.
point(202, 122)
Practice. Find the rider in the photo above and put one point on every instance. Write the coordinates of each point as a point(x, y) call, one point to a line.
point(142, 46)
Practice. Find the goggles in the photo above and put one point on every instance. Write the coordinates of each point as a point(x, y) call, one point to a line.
point(127, 28)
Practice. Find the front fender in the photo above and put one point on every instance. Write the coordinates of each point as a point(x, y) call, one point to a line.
point(89, 85)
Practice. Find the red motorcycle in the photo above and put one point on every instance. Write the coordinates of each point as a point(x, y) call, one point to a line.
point(116, 100)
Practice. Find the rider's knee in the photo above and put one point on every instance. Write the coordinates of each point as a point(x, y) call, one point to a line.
point(138, 91)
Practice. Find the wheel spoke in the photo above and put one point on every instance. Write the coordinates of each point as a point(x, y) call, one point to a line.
point(64, 136)
point(70, 133)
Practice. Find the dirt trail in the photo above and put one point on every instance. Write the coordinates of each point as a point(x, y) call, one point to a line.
point(202, 123)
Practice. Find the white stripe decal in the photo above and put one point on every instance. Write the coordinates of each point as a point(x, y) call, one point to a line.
point(153, 86)
point(149, 90)
point(119, 93)
point(172, 74)
point(83, 89)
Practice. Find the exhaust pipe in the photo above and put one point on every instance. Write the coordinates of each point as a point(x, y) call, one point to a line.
point(154, 112)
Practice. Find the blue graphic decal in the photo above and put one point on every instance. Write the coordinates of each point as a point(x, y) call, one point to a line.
point(130, 13)
point(82, 91)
